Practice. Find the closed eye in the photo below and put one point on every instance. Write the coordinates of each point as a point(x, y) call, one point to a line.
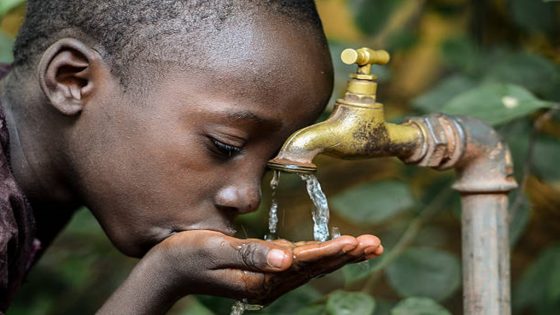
point(225, 150)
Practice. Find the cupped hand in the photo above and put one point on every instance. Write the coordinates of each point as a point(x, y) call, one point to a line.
point(208, 262)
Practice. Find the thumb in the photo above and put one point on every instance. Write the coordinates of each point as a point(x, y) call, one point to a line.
point(257, 255)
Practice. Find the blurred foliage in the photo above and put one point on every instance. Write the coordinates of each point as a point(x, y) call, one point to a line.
point(496, 60)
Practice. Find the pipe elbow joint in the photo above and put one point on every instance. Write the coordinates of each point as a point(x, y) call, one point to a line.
point(486, 165)
point(482, 159)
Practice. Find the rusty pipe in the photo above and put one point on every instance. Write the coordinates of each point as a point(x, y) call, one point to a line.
point(484, 178)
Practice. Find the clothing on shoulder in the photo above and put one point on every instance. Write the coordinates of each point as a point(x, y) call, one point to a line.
point(18, 246)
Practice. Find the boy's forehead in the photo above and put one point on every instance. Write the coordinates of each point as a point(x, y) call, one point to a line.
point(254, 58)
point(270, 51)
point(264, 44)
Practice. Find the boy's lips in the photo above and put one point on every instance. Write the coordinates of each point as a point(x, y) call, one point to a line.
point(226, 229)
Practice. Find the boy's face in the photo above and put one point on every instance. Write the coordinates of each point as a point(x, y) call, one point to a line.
point(190, 152)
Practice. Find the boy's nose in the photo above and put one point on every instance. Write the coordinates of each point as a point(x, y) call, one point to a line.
point(239, 198)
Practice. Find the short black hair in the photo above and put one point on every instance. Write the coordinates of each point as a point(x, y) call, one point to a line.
point(125, 29)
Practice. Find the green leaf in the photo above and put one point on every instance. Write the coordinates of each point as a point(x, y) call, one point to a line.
point(350, 303)
point(373, 202)
point(495, 103)
point(383, 307)
point(313, 310)
point(372, 15)
point(359, 271)
point(293, 301)
point(6, 44)
point(425, 272)
point(419, 306)
point(535, 73)
point(434, 99)
point(8, 5)
point(534, 16)
point(539, 287)
point(544, 161)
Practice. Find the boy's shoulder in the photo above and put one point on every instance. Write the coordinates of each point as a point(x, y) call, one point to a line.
point(17, 244)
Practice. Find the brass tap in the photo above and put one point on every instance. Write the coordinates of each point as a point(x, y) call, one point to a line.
point(355, 129)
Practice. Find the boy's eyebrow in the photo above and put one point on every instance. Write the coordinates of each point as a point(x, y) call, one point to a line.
point(251, 116)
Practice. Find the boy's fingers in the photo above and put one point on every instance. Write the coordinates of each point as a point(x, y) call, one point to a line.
point(303, 243)
point(275, 256)
point(329, 256)
point(284, 243)
point(367, 245)
point(377, 252)
point(255, 255)
point(317, 251)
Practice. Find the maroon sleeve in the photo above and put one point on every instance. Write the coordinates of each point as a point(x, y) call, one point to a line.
point(17, 244)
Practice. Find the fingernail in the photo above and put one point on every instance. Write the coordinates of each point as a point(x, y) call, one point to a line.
point(275, 258)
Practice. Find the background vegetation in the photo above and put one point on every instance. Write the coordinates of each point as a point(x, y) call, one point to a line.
point(496, 60)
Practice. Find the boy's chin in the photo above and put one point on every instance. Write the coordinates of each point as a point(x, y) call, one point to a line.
point(138, 246)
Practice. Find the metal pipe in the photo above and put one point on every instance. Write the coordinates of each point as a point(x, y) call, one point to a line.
point(357, 129)
point(485, 176)
point(486, 275)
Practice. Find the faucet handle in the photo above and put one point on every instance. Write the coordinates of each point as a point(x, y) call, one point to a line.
point(364, 58)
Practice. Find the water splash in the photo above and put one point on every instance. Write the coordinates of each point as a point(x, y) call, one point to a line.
point(321, 209)
point(239, 307)
point(335, 232)
point(273, 213)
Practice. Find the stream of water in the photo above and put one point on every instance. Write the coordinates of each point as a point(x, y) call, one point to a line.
point(273, 213)
point(321, 208)
point(320, 223)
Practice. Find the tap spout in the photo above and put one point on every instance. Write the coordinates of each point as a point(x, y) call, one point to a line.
point(353, 131)
point(356, 128)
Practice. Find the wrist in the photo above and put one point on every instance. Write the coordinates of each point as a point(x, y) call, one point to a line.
point(159, 276)
point(149, 289)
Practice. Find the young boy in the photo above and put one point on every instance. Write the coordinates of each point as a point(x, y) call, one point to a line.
point(160, 116)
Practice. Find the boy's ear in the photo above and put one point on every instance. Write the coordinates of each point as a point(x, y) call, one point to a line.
point(69, 72)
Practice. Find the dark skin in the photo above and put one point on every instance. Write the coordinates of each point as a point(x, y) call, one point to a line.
point(166, 171)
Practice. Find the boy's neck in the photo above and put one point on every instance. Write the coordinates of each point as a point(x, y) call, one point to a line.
point(33, 152)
